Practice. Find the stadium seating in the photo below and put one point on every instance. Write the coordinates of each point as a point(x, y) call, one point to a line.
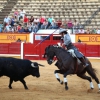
point(81, 10)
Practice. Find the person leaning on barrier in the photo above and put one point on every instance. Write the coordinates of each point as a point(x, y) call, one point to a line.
point(67, 43)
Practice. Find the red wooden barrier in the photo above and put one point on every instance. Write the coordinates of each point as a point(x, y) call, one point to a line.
point(4, 48)
point(33, 52)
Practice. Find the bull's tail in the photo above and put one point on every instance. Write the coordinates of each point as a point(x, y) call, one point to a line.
point(40, 65)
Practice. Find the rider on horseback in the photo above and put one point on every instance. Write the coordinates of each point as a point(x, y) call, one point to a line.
point(68, 45)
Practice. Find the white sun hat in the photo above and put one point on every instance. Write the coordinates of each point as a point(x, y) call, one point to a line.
point(62, 30)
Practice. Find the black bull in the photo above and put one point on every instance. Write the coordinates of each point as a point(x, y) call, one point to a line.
point(18, 69)
point(68, 65)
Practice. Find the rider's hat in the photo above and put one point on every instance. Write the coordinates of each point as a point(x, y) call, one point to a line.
point(62, 31)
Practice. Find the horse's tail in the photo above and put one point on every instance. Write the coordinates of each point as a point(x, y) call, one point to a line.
point(91, 71)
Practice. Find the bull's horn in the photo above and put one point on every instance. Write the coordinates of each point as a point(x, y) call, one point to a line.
point(32, 64)
point(41, 65)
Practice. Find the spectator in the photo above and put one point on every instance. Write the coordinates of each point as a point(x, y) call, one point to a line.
point(79, 41)
point(26, 30)
point(44, 25)
point(31, 20)
point(36, 20)
point(26, 20)
point(53, 25)
point(18, 27)
point(81, 31)
point(21, 29)
point(49, 21)
point(75, 24)
point(98, 31)
point(30, 27)
point(41, 21)
point(64, 24)
point(12, 21)
point(88, 31)
point(69, 24)
point(15, 27)
point(19, 40)
point(35, 28)
point(6, 20)
point(22, 14)
point(1, 28)
point(7, 28)
point(93, 31)
point(16, 12)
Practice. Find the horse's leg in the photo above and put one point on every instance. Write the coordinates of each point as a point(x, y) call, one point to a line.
point(93, 75)
point(65, 79)
point(57, 77)
point(83, 76)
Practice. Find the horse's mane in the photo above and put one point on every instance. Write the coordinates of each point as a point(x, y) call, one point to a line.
point(58, 47)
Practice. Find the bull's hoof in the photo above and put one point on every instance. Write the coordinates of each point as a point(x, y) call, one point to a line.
point(66, 88)
point(10, 87)
point(61, 82)
point(26, 88)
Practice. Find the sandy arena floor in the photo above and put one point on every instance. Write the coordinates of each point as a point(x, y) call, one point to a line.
point(48, 88)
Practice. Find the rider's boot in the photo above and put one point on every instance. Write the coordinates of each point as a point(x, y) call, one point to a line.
point(84, 62)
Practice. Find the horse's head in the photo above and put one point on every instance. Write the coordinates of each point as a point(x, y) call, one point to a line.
point(49, 54)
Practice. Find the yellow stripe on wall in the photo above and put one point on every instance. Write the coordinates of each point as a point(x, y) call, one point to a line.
point(88, 38)
point(13, 37)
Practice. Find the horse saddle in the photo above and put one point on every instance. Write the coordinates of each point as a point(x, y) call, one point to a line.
point(72, 53)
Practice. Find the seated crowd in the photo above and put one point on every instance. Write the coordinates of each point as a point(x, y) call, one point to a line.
point(20, 22)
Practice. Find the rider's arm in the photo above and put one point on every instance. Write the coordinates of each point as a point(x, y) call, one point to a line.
point(67, 40)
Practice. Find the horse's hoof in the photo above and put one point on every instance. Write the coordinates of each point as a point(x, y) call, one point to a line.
point(66, 88)
point(90, 90)
point(61, 82)
point(98, 91)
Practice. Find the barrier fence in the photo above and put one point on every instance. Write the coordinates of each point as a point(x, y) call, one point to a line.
point(32, 52)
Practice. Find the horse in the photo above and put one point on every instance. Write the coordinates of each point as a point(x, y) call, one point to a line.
point(69, 65)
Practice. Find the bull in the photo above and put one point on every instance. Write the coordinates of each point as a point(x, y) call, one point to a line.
point(17, 69)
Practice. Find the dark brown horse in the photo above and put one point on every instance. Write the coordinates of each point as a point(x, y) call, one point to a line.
point(69, 65)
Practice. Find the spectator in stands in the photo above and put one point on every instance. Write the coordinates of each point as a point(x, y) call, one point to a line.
point(98, 31)
point(53, 25)
point(49, 21)
point(1, 28)
point(15, 27)
point(18, 27)
point(7, 28)
point(31, 20)
point(35, 28)
point(93, 31)
point(30, 27)
point(22, 14)
point(12, 21)
point(75, 24)
point(88, 31)
point(44, 25)
point(41, 21)
point(64, 24)
point(26, 30)
point(69, 24)
point(36, 20)
point(26, 20)
point(16, 12)
point(81, 31)
point(21, 29)
point(6, 20)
